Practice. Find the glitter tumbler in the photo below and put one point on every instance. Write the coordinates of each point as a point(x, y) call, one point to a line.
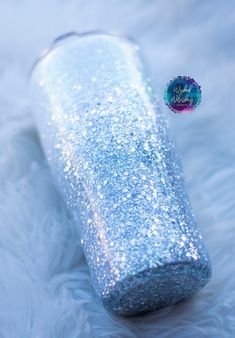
point(113, 159)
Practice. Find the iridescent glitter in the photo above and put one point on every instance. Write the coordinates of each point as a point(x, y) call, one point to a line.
point(115, 164)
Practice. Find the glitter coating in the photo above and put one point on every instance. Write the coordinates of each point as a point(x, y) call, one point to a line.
point(110, 152)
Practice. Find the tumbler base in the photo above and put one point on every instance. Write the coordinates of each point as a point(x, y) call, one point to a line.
point(156, 288)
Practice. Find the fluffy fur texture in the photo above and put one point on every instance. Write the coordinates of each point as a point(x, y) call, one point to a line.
point(45, 290)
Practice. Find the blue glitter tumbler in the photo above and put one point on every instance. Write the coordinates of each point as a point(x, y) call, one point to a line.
point(110, 152)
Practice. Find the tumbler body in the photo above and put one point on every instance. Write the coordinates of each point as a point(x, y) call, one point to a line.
point(111, 154)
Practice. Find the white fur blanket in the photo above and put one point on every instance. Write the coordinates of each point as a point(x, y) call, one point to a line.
point(45, 290)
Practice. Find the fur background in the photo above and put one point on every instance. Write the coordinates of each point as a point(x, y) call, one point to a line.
point(45, 290)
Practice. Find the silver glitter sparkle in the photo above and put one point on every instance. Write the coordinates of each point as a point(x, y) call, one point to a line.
point(113, 159)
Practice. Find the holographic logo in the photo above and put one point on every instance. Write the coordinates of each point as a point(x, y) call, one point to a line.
point(182, 94)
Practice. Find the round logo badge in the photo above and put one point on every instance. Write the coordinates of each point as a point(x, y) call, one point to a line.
point(182, 94)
